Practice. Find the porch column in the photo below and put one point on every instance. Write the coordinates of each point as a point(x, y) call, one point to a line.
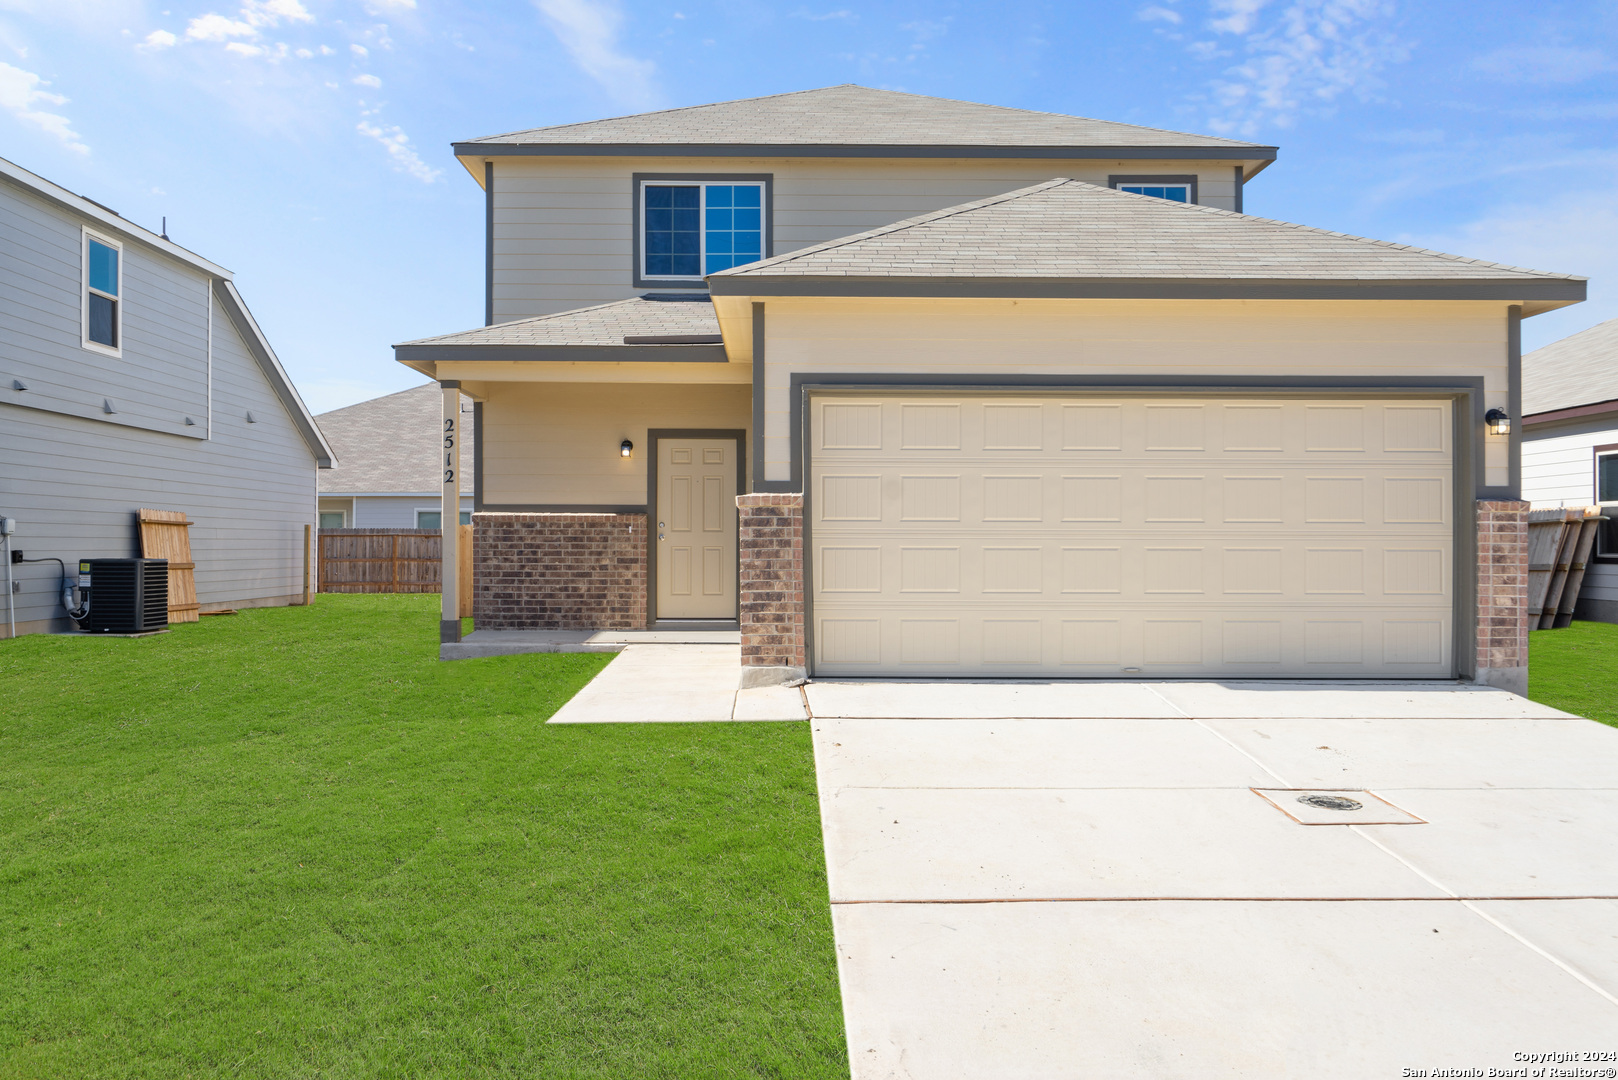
point(449, 520)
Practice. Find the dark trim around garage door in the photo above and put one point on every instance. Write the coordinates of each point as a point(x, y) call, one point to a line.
point(1466, 393)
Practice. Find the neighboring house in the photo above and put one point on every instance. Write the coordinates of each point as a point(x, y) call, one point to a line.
point(134, 376)
point(1074, 416)
point(1570, 446)
point(386, 477)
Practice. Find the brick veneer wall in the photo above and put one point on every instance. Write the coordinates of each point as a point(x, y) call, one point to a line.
point(771, 588)
point(1502, 629)
point(559, 571)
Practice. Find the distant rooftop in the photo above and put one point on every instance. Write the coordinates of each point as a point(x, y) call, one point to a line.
point(859, 116)
point(1581, 369)
point(390, 445)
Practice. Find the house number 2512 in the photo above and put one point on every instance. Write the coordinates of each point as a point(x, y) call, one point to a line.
point(449, 450)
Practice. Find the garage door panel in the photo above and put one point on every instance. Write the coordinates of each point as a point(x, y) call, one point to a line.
point(1024, 536)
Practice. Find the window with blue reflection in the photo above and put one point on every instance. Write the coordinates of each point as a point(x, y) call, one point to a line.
point(695, 229)
point(1171, 192)
point(101, 299)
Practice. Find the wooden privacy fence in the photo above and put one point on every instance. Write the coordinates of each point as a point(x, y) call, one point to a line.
point(392, 561)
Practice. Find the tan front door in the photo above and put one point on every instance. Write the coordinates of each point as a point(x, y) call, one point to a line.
point(695, 529)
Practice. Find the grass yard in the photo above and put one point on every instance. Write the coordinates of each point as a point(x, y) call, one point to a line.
point(1576, 669)
point(292, 843)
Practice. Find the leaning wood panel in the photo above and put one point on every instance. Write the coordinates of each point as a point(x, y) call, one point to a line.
point(164, 535)
point(1545, 531)
point(1575, 573)
point(1559, 572)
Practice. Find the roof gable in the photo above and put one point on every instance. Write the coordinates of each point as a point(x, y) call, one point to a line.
point(859, 116)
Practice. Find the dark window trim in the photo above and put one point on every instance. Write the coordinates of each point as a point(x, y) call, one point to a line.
point(1147, 178)
point(1596, 453)
point(637, 241)
point(653, 435)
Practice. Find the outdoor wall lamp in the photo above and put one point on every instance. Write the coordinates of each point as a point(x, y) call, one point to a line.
point(1498, 421)
point(626, 448)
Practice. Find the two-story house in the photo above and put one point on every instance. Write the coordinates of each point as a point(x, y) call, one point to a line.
point(907, 386)
point(133, 376)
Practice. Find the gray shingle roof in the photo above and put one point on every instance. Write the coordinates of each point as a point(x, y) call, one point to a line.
point(1069, 230)
point(389, 444)
point(680, 315)
point(851, 115)
point(1580, 369)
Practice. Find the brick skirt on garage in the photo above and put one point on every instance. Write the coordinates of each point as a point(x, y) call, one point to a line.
point(559, 571)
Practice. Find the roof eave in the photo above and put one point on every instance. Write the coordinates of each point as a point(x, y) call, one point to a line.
point(1572, 412)
point(424, 357)
point(1263, 154)
point(1540, 295)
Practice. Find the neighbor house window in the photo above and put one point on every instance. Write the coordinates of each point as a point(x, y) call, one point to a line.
point(1607, 495)
point(103, 292)
point(693, 228)
point(331, 519)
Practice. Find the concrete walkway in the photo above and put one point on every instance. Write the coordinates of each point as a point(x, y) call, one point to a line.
point(661, 684)
point(1080, 880)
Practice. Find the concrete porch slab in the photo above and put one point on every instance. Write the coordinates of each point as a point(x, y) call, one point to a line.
point(1199, 991)
point(671, 684)
point(516, 642)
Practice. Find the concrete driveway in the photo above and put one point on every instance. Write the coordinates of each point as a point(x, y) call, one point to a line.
point(1118, 880)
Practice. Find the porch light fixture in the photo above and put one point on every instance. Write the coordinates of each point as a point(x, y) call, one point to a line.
point(1498, 421)
point(626, 448)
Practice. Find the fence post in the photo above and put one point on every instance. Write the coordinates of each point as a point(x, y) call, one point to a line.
point(308, 555)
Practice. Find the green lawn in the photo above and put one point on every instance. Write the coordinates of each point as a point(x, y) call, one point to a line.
point(1576, 669)
point(292, 843)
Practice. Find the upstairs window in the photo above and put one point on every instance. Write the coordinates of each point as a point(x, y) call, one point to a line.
point(1171, 192)
point(1180, 189)
point(693, 228)
point(103, 289)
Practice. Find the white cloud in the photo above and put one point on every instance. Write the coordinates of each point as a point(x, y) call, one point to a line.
point(359, 50)
point(158, 39)
point(21, 91)
point(588, 29)
point(270, 13)
point(368, 80)
point(212, 27)
point(243, 49)
point(842, 13)
point(1158, 14)
point(1544, 64)
point(397, 144)
point(303, 54)
point(1310, 54)
point(389, 7)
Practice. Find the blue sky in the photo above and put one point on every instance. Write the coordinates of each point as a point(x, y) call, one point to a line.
point(305, 143)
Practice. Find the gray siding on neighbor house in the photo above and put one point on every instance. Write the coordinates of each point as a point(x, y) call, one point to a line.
point(75, 476)
point(1558, 469)
point(162, 376)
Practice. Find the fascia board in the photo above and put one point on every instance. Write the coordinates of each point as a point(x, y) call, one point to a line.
point(1515, 290)
point(416, 356)
point(477, 151)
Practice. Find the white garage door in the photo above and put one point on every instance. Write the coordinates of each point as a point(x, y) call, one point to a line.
point(1049, 536)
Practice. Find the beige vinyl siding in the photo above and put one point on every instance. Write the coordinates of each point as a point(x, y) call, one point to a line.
point(1152, 339)
point(557, 443)
point(161, 376)
point(75, 484)
point(562, 226)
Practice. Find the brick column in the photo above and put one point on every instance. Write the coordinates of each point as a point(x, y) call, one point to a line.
point(1502, 628)
point(771, 589)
